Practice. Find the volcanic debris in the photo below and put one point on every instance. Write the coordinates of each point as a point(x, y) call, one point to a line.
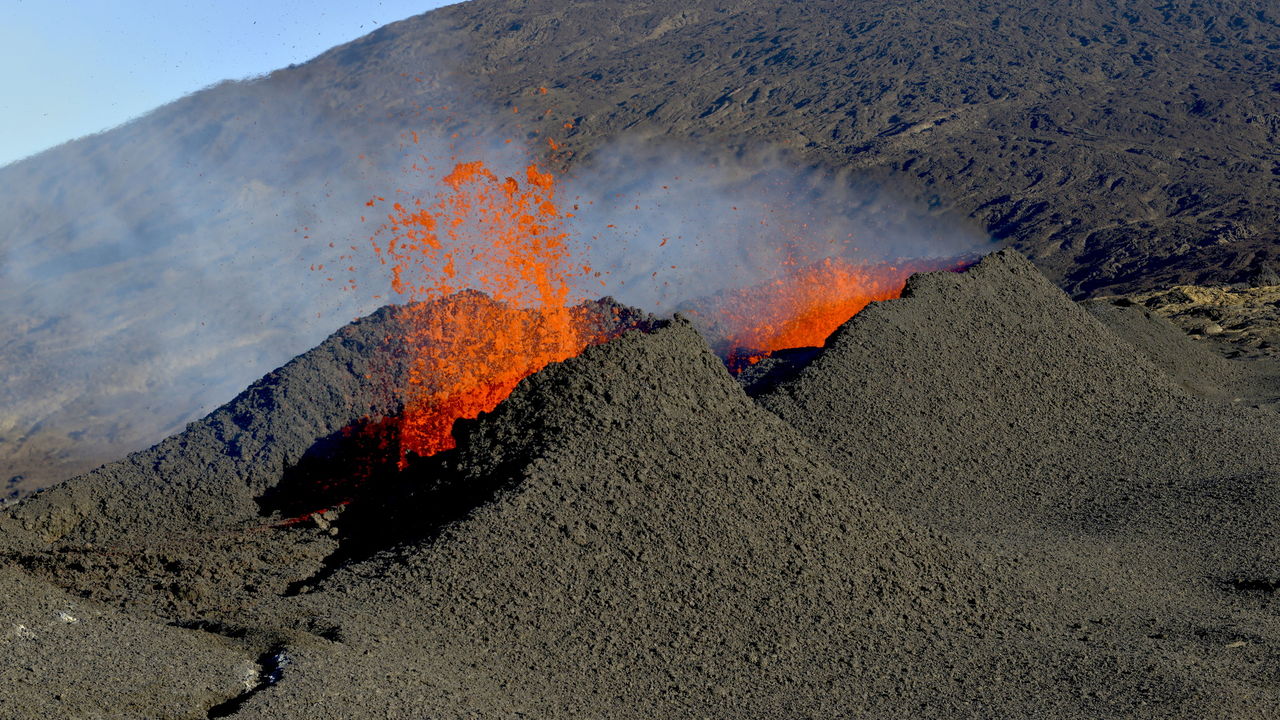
point(979, 500)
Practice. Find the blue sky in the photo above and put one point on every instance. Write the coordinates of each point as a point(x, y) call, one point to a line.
point(69, 68)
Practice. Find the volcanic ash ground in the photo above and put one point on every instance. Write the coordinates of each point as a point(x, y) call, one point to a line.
point(978, 500)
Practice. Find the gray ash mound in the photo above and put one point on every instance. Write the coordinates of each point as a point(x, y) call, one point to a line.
point(199, 527)
point(990, 383)
point(174, 532)
point(1199, 366)
point(213, 471)
point(986, 406)
point(976, 501)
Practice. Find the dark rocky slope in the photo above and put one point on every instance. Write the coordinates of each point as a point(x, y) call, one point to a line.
point(199, 528)
point(654, 545)
point(177, 532)
point(976, 501)
point(1118, 144)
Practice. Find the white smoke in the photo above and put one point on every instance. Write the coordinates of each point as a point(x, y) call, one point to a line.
point(667, 224)
point(140, 291)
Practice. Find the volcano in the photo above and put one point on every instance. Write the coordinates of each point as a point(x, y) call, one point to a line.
point(1121, 146)
point(704, 389)
point(980, 499)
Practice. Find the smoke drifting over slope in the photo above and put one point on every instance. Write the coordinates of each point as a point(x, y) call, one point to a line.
point(130, 316)
point(670, 224)
point(117, 248)
point(127, 313)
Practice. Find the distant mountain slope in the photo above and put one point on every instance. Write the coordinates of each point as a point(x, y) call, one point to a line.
point(149, 272)
point(1119, 144)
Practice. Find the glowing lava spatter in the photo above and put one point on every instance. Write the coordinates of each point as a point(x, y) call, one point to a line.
point(505, 238)
point(803, 306)
point(468, 351)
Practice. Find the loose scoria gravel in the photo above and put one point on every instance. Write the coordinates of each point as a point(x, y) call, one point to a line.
point(975, 501)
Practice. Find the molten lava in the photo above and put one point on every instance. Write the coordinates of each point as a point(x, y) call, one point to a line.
point(803, 306)
point(468, 351)
point(486, 268)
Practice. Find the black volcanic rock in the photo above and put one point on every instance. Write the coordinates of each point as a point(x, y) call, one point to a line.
point(224, 468)
point(644, 541)
point(1117, 144)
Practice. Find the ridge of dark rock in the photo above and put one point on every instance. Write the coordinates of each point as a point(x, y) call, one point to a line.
point(973, 501)
point(210, 473)
point(991, 381)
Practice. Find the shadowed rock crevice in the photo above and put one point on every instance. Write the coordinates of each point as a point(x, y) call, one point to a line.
point(270, 670)
point(409, 506)
point(1264, 586)
point(779, 367)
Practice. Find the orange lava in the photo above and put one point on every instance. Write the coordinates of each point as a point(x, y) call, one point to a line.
point(805, 305)
point(502, 240)
point(468, 351)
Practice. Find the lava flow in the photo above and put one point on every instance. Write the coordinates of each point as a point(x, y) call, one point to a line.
point(468, 350)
